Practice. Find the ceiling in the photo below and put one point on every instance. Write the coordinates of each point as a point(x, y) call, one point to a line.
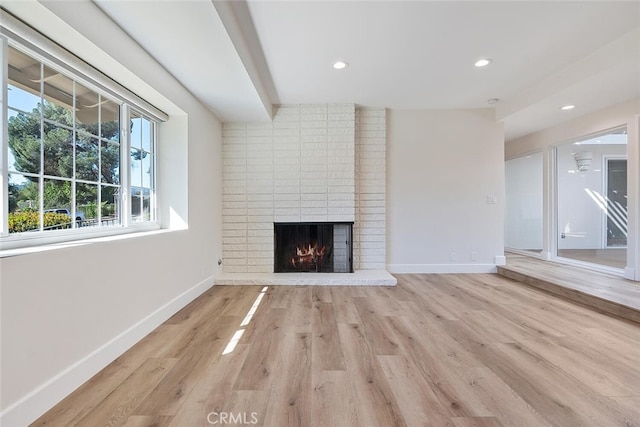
point(240, 58)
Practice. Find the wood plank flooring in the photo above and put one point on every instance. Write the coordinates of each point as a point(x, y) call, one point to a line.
point(436, 350)
point(606, 292)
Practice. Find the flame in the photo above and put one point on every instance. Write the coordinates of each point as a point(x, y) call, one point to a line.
point(308, 254)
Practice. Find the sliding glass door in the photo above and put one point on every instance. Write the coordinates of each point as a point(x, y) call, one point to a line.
point(523, 216)
point(591, 204)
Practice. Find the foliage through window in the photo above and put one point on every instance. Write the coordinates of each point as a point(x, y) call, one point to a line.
point(76, 158)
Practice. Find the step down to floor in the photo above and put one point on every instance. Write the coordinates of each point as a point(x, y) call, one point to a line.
point(570, 290)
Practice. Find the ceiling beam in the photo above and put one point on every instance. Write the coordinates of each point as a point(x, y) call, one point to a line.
point(237, 21)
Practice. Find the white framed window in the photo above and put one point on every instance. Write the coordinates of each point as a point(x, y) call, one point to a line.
point(78, 154)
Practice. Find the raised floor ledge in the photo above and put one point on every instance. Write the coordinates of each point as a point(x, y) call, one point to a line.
point(608, 293)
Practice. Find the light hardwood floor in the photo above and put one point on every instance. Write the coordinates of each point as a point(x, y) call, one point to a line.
point(606, 292)
point(436, 350)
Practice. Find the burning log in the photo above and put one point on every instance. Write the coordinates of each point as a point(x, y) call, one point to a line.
point(308, 255)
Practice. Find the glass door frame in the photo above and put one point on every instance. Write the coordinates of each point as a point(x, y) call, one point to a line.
point(553, 229)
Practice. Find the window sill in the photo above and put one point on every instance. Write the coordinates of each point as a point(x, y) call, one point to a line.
point(41, 244)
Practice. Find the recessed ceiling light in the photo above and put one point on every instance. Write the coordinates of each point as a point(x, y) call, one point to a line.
point(568, 107)
point(339, 65)
point(483, 62)
point(492, 101)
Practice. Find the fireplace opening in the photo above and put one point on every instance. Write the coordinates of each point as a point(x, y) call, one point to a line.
point(319, 247)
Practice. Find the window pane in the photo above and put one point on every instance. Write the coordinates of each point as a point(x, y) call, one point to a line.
point(24, 143)
point(110, 163)
point(110, 116)
point(136, 168)
point(58, 151)
point(136, 204)
point(87, 110)
point(24, 201)
point(57, 194)
point(146, 134)
point(110, 205)
point(146, 169)
point(86, 205)
point(58, 97)
point(22, 100)
point(146, 204)
point(87, 158)
point(57, 204)
point(136, 130)
point(24, 81)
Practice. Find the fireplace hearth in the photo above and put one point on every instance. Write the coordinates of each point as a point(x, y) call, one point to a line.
point(318, 247)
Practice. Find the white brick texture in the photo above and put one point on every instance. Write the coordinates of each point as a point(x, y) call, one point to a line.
point(313, 163)
point(370, 226)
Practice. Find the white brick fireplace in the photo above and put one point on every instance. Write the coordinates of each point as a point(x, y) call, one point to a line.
point(313, 163)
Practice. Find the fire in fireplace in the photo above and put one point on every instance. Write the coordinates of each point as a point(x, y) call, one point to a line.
point(313, 247)
point(309, 256)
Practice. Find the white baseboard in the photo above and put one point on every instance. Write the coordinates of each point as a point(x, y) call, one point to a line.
point(40, 400)
point(440, 268)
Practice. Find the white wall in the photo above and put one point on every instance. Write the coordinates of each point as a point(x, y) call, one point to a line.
point(441, 166)
point(624, 114)
point(67, 312)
